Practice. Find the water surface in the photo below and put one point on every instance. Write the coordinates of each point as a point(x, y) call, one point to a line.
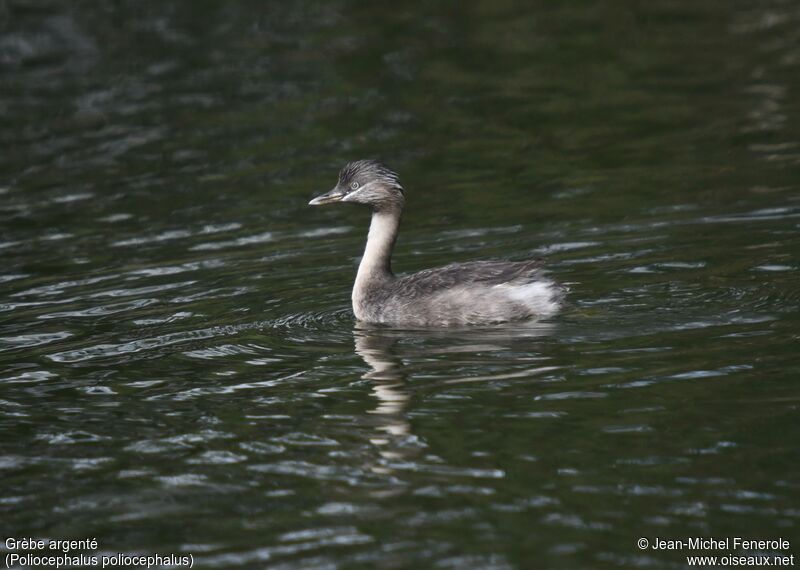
point(179, 368)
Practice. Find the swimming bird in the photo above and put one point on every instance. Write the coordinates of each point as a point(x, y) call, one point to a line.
point(472, 293)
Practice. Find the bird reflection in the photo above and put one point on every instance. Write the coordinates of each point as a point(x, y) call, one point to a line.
point(388, 388)
point(395, 440)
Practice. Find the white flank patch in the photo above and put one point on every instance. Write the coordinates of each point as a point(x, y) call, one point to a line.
point(541, 297)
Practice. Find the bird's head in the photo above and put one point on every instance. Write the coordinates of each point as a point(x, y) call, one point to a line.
point(367, 182)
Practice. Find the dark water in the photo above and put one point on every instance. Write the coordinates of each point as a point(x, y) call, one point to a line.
point(179, 368)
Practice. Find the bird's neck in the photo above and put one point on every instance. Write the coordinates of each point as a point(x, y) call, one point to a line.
point(376, 265)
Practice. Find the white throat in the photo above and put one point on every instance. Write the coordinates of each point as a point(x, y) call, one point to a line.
point(375, 266)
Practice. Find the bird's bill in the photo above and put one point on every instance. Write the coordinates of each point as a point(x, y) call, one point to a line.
point(330, 197)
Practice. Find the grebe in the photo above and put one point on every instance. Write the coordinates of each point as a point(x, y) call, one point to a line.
point(473, 293)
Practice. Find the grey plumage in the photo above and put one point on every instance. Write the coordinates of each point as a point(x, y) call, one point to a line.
point(479, 292)
point(363, 171)
point(484, 273)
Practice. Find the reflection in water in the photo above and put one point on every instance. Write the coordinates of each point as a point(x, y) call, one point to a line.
point(377, 347)
point(388, 380)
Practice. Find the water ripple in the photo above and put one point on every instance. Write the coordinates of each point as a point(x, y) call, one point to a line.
point(31, 340)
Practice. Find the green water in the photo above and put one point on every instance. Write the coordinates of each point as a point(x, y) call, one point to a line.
point(180, 372)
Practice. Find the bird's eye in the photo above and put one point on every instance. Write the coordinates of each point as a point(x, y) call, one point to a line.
point(354, 185)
